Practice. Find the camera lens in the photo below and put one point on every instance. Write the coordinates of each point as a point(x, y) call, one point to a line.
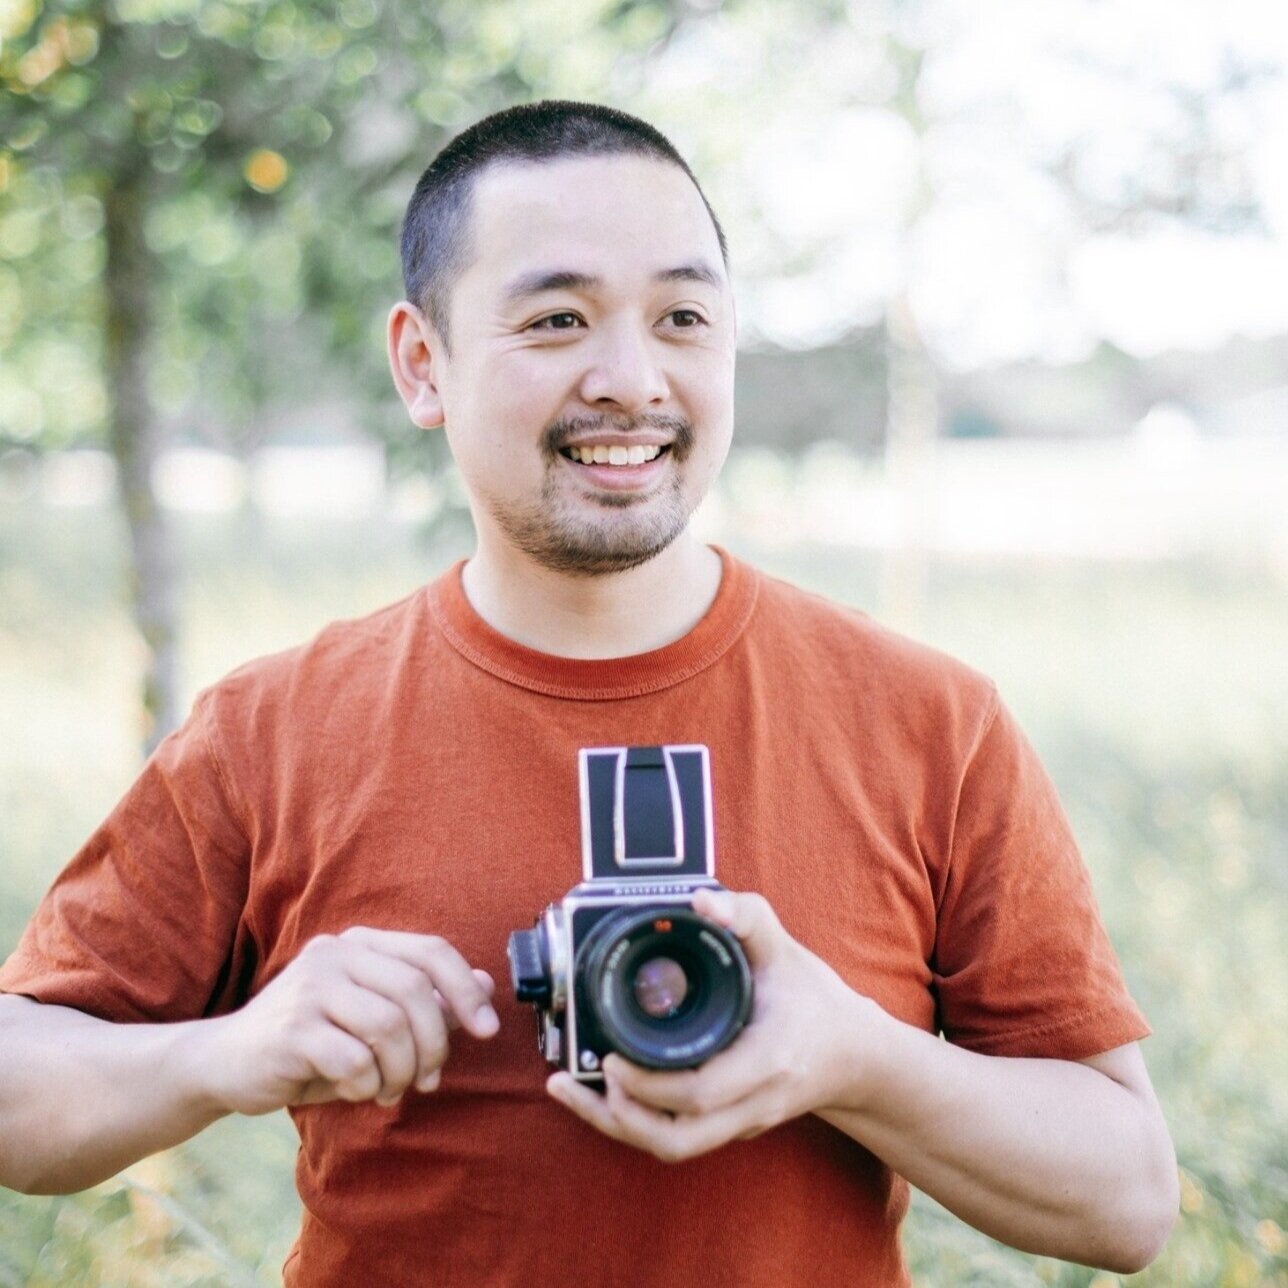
point(660, 987)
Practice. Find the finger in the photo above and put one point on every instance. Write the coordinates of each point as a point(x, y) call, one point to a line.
point(668, 1138)
point(465, 995)
point(676, 1138)
point(725, 1079)
point(383, 1025)
point(346, 1067)
point(748, 915)
point(585, 1102)
point(489, 987)
point(409, 988)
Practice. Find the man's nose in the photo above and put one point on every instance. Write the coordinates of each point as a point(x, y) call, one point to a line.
point(626, 369)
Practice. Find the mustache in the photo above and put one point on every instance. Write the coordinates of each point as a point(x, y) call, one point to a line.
point(561, 432)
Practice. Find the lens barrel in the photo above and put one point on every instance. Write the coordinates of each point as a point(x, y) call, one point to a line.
point(629, 985)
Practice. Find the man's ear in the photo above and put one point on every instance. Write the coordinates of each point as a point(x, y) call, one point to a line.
point(415, 364)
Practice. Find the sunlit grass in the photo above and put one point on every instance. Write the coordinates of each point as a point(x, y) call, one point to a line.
point(1157, 696)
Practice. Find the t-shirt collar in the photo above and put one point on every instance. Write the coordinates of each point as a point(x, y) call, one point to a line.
point(597, 678)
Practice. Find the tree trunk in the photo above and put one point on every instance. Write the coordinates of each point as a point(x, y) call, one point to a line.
point(135, 443)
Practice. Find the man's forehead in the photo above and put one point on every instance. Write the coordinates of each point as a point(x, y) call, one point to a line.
point(538, 280)
point(555, 223)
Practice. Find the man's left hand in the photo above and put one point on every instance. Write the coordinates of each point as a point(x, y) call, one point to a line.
point(803, 1049)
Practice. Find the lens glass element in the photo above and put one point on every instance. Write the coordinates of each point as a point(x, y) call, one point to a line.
point(660, 987)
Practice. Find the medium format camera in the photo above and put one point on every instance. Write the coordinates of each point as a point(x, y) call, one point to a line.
point(623, 963)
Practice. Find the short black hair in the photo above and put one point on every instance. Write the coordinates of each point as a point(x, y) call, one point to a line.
point(435, 229)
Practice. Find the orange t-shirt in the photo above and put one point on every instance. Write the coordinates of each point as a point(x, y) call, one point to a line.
point(416, 770)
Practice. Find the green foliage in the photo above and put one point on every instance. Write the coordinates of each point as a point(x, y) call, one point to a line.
point(1157, 697)
point(273, 145)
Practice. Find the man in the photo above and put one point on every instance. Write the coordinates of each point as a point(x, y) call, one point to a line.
point(313, 880)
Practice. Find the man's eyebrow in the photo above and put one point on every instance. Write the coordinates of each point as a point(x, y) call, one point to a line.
point(566, 279)
point(696, 272)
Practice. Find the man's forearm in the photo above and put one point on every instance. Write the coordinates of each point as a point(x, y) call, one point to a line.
point(81, 1098)
point(1049, 1156)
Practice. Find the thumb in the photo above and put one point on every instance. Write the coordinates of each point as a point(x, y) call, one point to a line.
point(748, 915)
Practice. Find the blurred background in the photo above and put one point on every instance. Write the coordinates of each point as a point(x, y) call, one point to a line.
point(1012, 283)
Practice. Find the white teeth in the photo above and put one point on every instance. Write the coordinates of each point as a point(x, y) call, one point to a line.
point(601, 454)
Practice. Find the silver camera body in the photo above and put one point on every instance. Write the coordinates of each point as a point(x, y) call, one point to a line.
point(623, 963)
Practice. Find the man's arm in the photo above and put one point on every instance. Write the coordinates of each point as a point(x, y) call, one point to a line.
point(1060, 1158)
point(355, 1016)
point(81, 1098)
point(1065, 1159)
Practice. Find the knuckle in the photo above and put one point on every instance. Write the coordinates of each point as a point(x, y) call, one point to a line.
point(782, 1066)
point(351, 933)
point(363, 1087)
point(435, 1050)
point(387, 1023)
point(319, 945)
point(692, 1095)
point(695, 1101)
point(420, 990)
point(356, 1064)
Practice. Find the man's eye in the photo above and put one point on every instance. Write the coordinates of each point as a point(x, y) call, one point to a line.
point(549, 323)
point(546, 323)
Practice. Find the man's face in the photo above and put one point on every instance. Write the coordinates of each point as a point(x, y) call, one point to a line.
point(632, 353)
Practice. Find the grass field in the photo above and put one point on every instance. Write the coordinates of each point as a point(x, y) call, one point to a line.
point(1157, 695)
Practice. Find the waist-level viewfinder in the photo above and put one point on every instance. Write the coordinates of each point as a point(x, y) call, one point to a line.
point(645, 811)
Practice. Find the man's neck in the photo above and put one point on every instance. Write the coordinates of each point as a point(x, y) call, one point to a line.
point(613, 615)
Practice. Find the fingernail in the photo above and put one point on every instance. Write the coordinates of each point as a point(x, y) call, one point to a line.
point(430, 1081)
point(485, 1018)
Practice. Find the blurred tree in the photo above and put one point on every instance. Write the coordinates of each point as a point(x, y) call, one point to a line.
point(199, 204)
point(931, 173)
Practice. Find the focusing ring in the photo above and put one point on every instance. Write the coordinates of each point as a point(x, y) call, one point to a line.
point(717, 973)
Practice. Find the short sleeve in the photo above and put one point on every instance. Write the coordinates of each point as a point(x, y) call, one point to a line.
point(145, 922)
point(1022, 965)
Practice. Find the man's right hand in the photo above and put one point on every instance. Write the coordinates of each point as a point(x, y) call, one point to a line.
point(361, 1015)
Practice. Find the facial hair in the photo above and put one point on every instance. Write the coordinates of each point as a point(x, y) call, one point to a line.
point(635, 527)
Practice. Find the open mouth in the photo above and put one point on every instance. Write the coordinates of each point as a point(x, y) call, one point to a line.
point(616, 456)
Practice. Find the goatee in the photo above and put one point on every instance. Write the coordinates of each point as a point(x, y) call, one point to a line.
point(568, 542)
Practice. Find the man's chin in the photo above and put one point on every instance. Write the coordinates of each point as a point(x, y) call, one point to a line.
point(580, 560)
point(588, 550)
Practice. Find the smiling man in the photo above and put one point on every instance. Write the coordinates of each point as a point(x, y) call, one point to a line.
point(311, 884)
point(581, 331)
